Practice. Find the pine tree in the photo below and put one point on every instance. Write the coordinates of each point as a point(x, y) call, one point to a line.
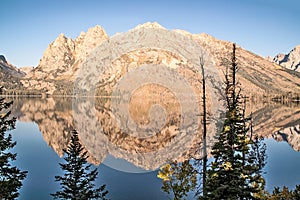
point(296, 192)
point(78, 180)
point(285, 193)
point(238, 159)
point(10, 176)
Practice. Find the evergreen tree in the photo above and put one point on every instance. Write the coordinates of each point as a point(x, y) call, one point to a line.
point(238, 159)
point(78, 180)
point(10, 176)
point(285, 193)
point(296, 192)
point(179, 179)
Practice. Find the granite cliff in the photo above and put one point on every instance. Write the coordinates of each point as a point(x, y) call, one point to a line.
point(59, 65)
point(291, 60)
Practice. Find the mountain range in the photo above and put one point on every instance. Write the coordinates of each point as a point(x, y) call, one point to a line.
point(291, 60)
point(58, 68)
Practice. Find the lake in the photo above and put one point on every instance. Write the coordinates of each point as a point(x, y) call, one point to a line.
point(128, 155)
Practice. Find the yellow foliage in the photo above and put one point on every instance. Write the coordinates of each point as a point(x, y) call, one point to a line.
point(226, 128)
point(244, 176)
point(247, 140)
point(227, 166)
point(165, 173)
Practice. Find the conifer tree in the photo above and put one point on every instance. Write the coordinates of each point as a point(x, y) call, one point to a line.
point(10, 176)
point(285, 193)
point(78, 180)
point(238, 157)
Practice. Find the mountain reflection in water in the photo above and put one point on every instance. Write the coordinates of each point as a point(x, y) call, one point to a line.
point(101, 134)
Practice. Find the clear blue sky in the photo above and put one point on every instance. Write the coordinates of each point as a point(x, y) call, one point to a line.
point(265, 27)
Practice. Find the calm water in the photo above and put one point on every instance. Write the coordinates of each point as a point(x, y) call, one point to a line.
point(128, 162)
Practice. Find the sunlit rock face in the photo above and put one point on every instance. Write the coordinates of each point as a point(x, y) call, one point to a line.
point(257, 75)
point(59, 65)
point(291, 60)
point(153, 91)
point(26, 69)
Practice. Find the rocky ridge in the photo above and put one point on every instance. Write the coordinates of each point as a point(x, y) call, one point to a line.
point(59, 65)
point(290, 61)
point(9, 75)
point(257, 75)
point(60, 61)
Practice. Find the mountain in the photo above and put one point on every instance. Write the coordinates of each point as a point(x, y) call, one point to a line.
point(291, 60)
point(257, 75)
point(58, 66)
point(9, 75)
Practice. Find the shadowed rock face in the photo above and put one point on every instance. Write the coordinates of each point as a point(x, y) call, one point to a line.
point(9, 75)
point(56, 118)
point(59, 65)
point(291, 60)
point(3, 59)
point(290, 135)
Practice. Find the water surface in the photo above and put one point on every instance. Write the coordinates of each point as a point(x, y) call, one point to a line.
point(128, 163)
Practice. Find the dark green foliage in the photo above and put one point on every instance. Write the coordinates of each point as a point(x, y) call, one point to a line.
point(10, 176)
point(238, 158)
point(78, 180)
point(296, 192)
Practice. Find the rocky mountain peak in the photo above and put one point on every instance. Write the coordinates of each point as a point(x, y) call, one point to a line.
point(61, 40)
point(61, 59)
point(86, 42)
point(59, 65)
point(291, 60)
point(149, 25)
point(57, 55)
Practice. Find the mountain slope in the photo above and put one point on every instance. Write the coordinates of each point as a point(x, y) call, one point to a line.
point(257, 75)
point(9, 75)
point(58, 67)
